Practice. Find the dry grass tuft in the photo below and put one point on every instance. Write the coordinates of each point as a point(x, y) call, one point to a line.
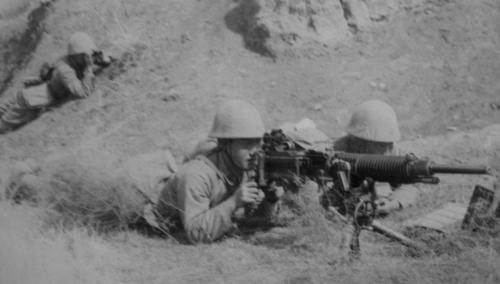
point(82, 188)
point(308, 232)
point(29, 256)
point(92, 192)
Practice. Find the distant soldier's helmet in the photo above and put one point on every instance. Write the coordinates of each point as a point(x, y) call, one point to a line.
point(374, 120)
point(81, 42)
point(237, 119)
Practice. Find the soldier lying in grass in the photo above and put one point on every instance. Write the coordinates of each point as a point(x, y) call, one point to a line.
point(71, 77)
point(203, 197)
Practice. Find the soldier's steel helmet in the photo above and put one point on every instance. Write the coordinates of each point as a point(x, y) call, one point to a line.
point(81, 42)
point(374, 120)
point(237, 119)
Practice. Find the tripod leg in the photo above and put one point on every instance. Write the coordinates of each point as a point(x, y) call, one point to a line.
point(355, 252)
point(383, 230)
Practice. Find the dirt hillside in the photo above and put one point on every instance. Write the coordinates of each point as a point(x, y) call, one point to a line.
point(437, 62)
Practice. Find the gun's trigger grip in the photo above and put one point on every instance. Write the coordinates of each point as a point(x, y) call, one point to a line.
point(343, 181)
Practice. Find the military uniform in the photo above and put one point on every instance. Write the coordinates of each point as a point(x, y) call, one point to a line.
point(373, 129)
point(71, 77)
point(197, 199)
point(390, 197)
point(64, 84)
point(206, 195)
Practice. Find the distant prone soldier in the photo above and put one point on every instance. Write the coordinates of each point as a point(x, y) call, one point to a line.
point(70, 77)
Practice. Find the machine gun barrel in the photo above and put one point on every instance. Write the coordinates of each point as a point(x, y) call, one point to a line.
point(445, 169)
point(401, 169)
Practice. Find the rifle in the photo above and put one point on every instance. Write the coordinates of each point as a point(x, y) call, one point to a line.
point(346, 180)
point(102, 60)
point(44, 75)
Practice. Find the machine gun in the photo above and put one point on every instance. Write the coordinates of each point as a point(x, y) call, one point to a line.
point(347, 181)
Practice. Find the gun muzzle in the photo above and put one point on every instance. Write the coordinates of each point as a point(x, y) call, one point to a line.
point(466, 170)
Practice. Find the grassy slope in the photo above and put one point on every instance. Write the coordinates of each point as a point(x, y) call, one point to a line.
point(30, 255)
point(185, 59)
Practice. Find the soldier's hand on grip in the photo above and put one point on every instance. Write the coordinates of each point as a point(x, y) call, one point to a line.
point(248, 193)
point(274, 192)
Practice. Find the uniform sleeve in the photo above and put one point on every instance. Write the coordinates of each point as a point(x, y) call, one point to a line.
point(78, 88)
point(202, 223)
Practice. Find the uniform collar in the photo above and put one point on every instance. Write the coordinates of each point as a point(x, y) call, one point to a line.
point(220, 163)
point(224, 167)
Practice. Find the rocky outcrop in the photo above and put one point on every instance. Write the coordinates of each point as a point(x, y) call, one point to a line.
point(273, 27)
point(21, 29)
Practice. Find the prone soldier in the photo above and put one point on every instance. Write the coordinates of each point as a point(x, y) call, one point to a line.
point(72, 76)
point(203, 197)
point(373, 129)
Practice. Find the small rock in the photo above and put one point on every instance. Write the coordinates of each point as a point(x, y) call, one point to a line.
point(185, 37)
point(243, 72)
point(317, 107)
point(451, 128)
point(373, 84)
point(495, 106)
point(382, 86)
point(172, 96)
